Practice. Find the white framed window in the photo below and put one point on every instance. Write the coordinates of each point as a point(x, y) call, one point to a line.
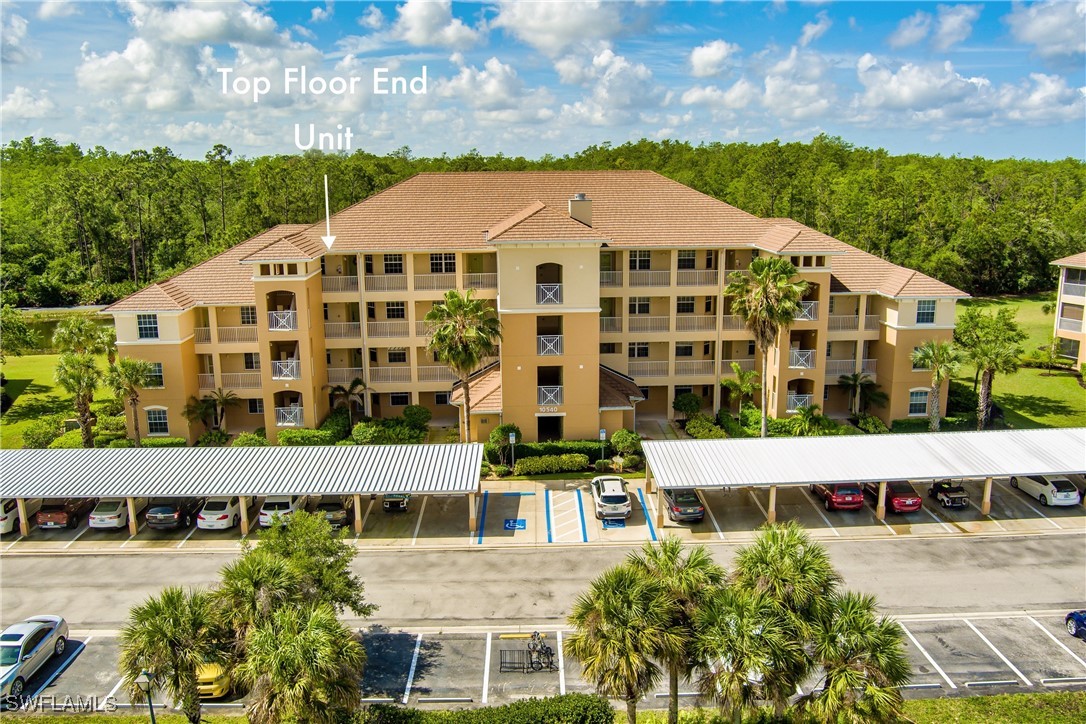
point(637, 349)
point(248, 316)
point(252, 361)
point(918, 402)
point(157, 421)
point(644, 392)
point(443, 263)
point(688, 259)
point(639, 305)
point(397, 356)
point(608, 347)
point(684, 349)
point(393, 263)
point(396, 310)
point(683, 390)
point(684, 305)
point(925, 311)
point(154, 378)
point(256, 406)
point(640, 260)
point(751, 347)
point(441, 398)
point(832, 300)
point(399, 399)
point(147, 326)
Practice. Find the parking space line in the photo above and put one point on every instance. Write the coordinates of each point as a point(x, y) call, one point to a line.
point(759, 504)
point(547, 510)
point(482, 520)
point(705, 504)
point(888, 526)
point(9, 545)
point(411, 671)
point(418, 523)
point(1053, 523)
point(997, 652)
point(580, 509)
point(111, 693)
point(561, 665)
point(62, 668)
point(486, 670)
point(80, 535)
point(645, 510)
point(821, 515)
point(183, 540)
point(927, 656)
point(1057, 641)
point(989, 517)
point(133, 536)
point(937, 519)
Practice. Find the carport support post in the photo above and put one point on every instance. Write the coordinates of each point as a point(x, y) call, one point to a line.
point(133, 524)
point(659, 507)
point(648, 478)
point(880, 510)
point(986, 499)
point(244, 505)
point(771, 516)
point(357, 514)
point(24, 524)
point(471, 513)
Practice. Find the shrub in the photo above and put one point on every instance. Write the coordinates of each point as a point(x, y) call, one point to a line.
point(111, 423)
point(701, 427)
point(603, 466)
point(164, 442)
point(368, 433)
point(43, 431)
point(501, 470)
point(452, 435)
point(871, 424)
point(123, 442)
point(953, 423)
point(589, 448)
point(249, 439)
point(631, 462)
point(910, 424)
point(484, 469)
point(625, 441)
point(302, 437)
point(345, 442)
point(69, 440)
point(417, 416)
point(398, 432)
point(960, 398)
point(686, 404)
point(546, 464)
point(730, 425)
point(580, 708)
point(337, 425)
point(107, 408)
point(498, 442)
point(213, 438)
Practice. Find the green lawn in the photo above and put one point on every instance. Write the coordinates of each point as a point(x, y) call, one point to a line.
point(30, 383)
point(1038, 325)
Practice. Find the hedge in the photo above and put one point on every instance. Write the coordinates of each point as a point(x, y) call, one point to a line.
point(69, 440)
point(960, 398)
point(702, 427)
point(337, 424)
point(123, 442)
point(948, 424)
point(163, 442)
point(564, 709)
point(545, 464)
point(731, 426)
point(524, 450)
point(304, 437)
point(417, 416)
point(42, 432)
point(390, 431)
point(249, 439)
point(871, 424)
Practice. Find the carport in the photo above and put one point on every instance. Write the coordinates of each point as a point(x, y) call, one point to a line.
point(245, 472)
point(922, 457)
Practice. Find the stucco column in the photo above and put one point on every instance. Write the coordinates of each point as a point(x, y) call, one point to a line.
point(771, 515)
point(471, 513)
point(133, 524)
point(243, 503)
point(648, 478)
point(880, 510)
point(357, 514)
point(986, 499)
point(24, 524)
point(659, 507)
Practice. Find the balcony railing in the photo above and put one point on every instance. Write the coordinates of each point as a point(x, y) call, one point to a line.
point(237, 335)
point(869, 366)
point(644, 278)
point(339, 284)
point(206, 382)
point(733, 322)
point(808, 312)
point(287, 369)
point(695, 323)
point(436, 373)
point(241, 380)
point(748, 364)
point(610, 278)
point(871, 322)
point(429, 282)
point(548, 293)
point(481, 280)
point(390, 374)
point(648, 369)
point(837, 367)
point(844, 322)
point(548, 345)
point(342, 330)
point(422, 329)
point(283, 321)
point(1074, 289)
point(549, 395)
point(289, 417)
point(343, 375)
point(202, 335)
point(697, 277)
point(802, 359)
point(649, 324)
point(610, 324)
point(1070, 325)
point(386, 282)
point(693, 367)
point(797, 401)
point(394, 328)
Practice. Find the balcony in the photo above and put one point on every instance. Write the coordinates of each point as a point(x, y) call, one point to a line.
point(431, 282)
point(202, 335)
point(289, 417)
point(241, 380)
point(394, 328)
point(871, 322)
point(343, 375)
point(837, 367)
point(206, 382)
point(1074, 289)
point(648, 369)
point(422, 329)
point(693, 367)
point(844, 322)
point(640, 278)
point(1069, 325)
point(801, 359)
point(610, 278)
point(610, 324)
point(342, 330)
point(436, 373)
point(548, 293)
point(548, 345)
point(287, 369)
point(649, 324)
point(386, 282)
point(733, 323)
point(237, 335)
point(869, 366)
point(339, 284)
point(390, 374)
point(797, 401)
point(549, 395)
point(697, 277)
point(481, 280)
point(748, 364)
point(283, 321)
point(808, 312)
point(695, 323)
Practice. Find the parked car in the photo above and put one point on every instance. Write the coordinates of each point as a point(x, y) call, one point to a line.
point(9, 513)
point(282, 505)
point(113, 512)
point(64, 513)
point(839, 496)
point(900, 496)
point(395, 502)
point(26, 647)
point(949, 493)
point(1048, 489)
point(170, 513)
point(1076, 623)
point(212, 681)
point(683, 505)
point(337, 509)
point(611, 497)
point(219, 513)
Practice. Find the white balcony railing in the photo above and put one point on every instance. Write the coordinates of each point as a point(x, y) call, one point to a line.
point(289, 417)
point(747, 364)
point(202, 335)
point(342, 330)
point(808, 312)
point(733, 322)
point(549, 395)
point(237, 335)
point(802, 359)
point(869, 366)
point(429, 282)
point(548, 293)
point(690, 367)
point(548, 345)
point(344, 375)
point(695, 323)
point(648, 368)
point(1070, 325)
point(1074, 289)
point(648, 278)
point(422, 329)
point(339, 284)
point(394, 328)
point(837, 367)
point(436, 373)
point(241, 380)
point(697, 277)
point(797, 401)
point(649, 324)
point(285, 321)
point(386, 282)
point(871, 322)
point(206, 382)
point(610, 324)
point(286, 369)
point(610, 278)
point(481, 280)
point(844, 322)
point(390, 374)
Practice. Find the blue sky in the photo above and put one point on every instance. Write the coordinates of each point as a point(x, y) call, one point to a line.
point(994, 79)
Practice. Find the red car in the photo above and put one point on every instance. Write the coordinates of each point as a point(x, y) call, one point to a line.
point(900, 496)
point(64, 513)
point(839, 496)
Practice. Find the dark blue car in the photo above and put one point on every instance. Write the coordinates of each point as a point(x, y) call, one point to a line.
point(1076, 623)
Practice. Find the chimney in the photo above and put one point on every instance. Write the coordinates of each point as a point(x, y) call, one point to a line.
point(580, 208)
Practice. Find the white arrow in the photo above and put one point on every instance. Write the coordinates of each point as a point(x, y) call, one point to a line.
point(328, 237)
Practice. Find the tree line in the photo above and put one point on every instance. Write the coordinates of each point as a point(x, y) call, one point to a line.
point(89, 226)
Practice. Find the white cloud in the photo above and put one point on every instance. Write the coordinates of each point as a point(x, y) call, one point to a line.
point(911, 30)
point(193, 23)
point(553, 27)
point(497, 94)
point(1053, 28)
point(711, 58)
point(57, 9)
point(621, 90)
point(1043, 99)
point(373, 18)
point(814, 31)
point(954, 24)
point(913, 87)
point(796, 88)
point(12, 35)
point(741, 94)
point(319, 14)
point(426, 23)
point(21, 104)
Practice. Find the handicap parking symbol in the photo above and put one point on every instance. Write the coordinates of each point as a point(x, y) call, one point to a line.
point(516, 524)
point(614, 523)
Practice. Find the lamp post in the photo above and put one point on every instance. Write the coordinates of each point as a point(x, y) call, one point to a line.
point(146, 681)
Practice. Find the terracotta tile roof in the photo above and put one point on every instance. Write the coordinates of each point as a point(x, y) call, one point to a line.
point(486, 390)
point(538, 222)
point(296, 246)
point(1075, 260)
point(219, 280)
point(617, 391)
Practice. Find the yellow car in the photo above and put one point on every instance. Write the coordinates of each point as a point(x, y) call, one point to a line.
point(212, 681)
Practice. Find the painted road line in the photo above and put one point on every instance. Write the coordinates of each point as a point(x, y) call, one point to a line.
point(411, 671)
point(759, 504)
point(1053, 523)
point(185, 539)
point(645, 510)
point(80, 535)
point(888, 526)
point(141, 527)
point(61, 669)
point(997, 523)
point(998, 653)
point(820, 513)
point(1059, 643)
point(486, 670)
point(377, 700)
point(366, 516)
point(580, 509)
point(482, 520)
point(418, 523)
point(561, 665)
point(517, 494)
point(927, 656)
point(547, 509)
point(111, 693)
point(937, 519)
point(998, 682)
point(705, 504)
point(9, 545)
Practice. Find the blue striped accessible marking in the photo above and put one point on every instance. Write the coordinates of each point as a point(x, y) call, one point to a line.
point(516, 495)
point(482, 517)
point(645, 510)
point(580, 508)
point(547, 505)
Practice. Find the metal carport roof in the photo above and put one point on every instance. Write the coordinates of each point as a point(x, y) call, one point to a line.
point(326, 470)
point(867, 458)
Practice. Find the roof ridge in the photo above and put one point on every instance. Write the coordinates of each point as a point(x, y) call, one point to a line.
point(515, 219)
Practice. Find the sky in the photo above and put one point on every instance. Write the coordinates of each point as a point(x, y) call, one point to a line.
point(993, 79)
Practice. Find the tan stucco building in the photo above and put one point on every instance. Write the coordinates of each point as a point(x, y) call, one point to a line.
point(607, 283)
point(1070, 302)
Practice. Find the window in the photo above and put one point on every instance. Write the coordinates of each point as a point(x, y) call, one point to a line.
point(644, 392)
point(918, 402)
point(325, 312)
point(688, 259)
point(825, 393)
point(706, 348)
point(683, 390)
point(248, 315)
point(147, 326)
point(157, 423)
point(795, 261)
point(608, 347)
point(371, 310)
point(393, 263)
point(706, 390)
point(396, 356)
point(323, 266)
point(640, 260)
point(154, 378)
point(916, 367)
point(832, 300)
point(399, 399)
point(328, 358)
point(256, 407)
point(829, 349)
point(373, 356)
point(684, 305)
point(751, 348)
point(710, 262)
point(684, 349)
point(441, 398)
point(252, 360)
point(637, 349)
point(709, 305)
point(639, 305)
point(368, 263)
point(395, 310)
point(1074, 276)
point(443, 263)
point(925, 311)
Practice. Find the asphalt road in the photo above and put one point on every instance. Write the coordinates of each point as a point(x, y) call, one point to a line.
point(536, 586)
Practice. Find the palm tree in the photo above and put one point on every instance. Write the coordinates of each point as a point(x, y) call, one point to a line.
point(990, 357)
point(79, 376)
point(201, 410)
point(863, 663)
point(943, 359)
point(223, 399)
point(302, 665)
point(126, 377)
point(863, 392)
point(619, 626)
point(744, 387)
point(689, 577)
point(464, 331)
point(79, 334)
point(344, 395)
point(767, 300)
point(807, 422)
point(171, 635)
point(251, 588)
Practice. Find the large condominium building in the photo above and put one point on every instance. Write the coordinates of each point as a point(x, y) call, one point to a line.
point(607, 283)
point(1070, 302)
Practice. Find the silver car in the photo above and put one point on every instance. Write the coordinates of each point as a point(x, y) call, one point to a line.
point(26, 647)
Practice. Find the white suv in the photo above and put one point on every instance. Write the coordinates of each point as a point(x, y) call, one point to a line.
point(611, 497)
point(282, 505)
